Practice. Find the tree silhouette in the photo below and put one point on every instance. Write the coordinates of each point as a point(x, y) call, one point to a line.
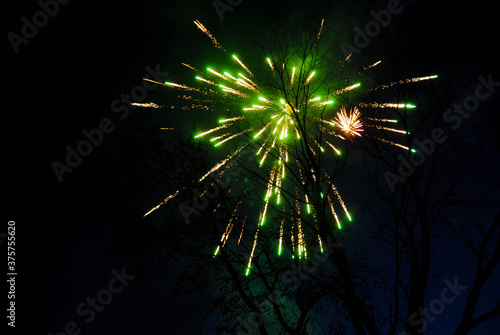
point(430, 197)
point(412, 198)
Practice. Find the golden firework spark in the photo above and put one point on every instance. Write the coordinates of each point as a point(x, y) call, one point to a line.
point(349, 123)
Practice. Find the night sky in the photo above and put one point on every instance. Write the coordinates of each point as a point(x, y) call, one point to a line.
point(65, 79)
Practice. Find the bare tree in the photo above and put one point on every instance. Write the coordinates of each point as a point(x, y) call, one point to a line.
point(424, 194)
point(314, 275)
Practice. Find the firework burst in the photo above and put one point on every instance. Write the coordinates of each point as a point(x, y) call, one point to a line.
point(349, 123)
point(288, 127)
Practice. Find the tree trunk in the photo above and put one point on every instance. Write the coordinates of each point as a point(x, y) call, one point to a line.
point(361, 320)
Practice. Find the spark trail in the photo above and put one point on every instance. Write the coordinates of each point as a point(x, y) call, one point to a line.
point(288, 129)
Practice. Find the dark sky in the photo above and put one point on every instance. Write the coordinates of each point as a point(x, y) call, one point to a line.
point(65, 79)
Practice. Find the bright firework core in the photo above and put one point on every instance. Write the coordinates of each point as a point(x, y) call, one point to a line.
point(289, 110)
point(349, 123)
point(287, 116)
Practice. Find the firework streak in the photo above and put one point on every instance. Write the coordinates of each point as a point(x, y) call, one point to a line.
point(291, 128)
